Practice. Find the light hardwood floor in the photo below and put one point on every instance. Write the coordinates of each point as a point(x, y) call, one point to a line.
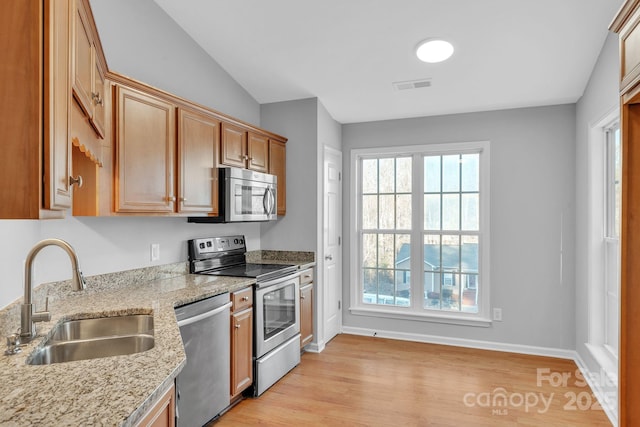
point(366, 381)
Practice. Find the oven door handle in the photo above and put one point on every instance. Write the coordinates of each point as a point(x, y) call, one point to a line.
point(281, 280)
point(205, 315)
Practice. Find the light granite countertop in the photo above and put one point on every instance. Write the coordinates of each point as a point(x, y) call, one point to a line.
point(119, 390)
point(109, 391)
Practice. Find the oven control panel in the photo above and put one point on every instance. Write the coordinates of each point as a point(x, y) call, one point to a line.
point(211, 246)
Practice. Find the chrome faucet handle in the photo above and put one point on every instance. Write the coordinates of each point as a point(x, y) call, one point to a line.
point(42, 316)
point(13, 344)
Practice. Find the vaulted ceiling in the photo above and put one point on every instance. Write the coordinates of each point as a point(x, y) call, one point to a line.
point(348, 53)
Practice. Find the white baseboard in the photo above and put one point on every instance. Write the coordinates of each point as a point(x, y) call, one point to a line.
point(610, 411)
point(314, 347)
point(461, 342)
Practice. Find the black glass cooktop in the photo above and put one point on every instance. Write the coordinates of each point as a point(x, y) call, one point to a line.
point(257, 271)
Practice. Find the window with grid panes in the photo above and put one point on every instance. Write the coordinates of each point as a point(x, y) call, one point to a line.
point(420, 218)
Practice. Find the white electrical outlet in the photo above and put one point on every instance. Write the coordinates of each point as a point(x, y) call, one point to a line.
point(497, 314)
point(155, 252)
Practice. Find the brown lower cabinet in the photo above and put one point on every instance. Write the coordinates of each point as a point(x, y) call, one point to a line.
point(163, 413)
point(306, 307)
point(241, 341)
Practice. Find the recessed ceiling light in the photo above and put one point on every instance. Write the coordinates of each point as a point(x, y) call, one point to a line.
point(434, 50)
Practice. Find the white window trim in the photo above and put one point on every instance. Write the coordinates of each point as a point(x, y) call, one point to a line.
point(357, 307)
point(596, 241)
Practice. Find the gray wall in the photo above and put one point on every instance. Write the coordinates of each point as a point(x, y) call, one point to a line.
point(298, 121)
point(141, 41)
point(532, 211)
point(309, 127)
point(329, 131)
point(600, 97)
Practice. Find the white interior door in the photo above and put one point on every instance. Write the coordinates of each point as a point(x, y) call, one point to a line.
point(332, 243)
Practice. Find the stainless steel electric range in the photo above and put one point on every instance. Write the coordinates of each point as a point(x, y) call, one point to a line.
point(276, 347)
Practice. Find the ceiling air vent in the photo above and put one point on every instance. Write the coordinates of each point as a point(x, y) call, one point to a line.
point(412, 84)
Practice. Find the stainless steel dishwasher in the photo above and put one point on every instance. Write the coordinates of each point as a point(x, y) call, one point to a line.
point(203, 385)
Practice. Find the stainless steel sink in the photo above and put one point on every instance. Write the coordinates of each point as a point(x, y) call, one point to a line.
point(103, 327)
point(95, 338)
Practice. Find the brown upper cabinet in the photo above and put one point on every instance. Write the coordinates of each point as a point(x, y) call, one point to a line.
point(87, 70)
point(145, 149)
point(233, 151)
point(244, 149)
point(198, 146)
point(162, 168)
point(257, 152)
point(34, 66)
point(278, 167)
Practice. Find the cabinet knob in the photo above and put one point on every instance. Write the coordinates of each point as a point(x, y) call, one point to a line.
point(170, 199)
point(183, 199)
point(245, 298)
point(97, 99)
point(237, 326)
point(77, 181)
point(301, 296)
point(328, 257)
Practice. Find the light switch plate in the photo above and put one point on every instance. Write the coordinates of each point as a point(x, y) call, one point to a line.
point(155, 252)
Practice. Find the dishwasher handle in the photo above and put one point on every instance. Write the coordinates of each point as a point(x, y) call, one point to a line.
point(190, 320)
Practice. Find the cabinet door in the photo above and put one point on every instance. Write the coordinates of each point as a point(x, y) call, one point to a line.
point(198, 141)
point(98, 98)
point(278, 167)
point(162, 414)
point(306, 315)
point(241, 351)
point(145, 153)
point(82, 58)
point(257, 152)
point(630, 52)
point(233, 149)
point(57, 145)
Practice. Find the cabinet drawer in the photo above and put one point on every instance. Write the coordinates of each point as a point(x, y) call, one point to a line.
point(242, 299)
point(306, 276)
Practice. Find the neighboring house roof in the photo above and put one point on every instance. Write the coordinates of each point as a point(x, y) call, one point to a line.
point(451, 255)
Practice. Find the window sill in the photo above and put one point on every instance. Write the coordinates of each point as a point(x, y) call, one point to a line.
point(608, 363)
point(450, 319)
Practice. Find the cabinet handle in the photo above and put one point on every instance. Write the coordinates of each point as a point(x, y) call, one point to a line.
point(78, 181)
point(245, 298)
point(97, 98)
point(170, 199)
point(301, 296)
point(237, 326)
point(306, 276)
point(183, 199)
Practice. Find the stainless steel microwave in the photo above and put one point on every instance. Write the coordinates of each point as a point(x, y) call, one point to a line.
point(244, 195)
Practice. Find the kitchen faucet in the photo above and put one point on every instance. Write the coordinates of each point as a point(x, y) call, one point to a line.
point(28, 318)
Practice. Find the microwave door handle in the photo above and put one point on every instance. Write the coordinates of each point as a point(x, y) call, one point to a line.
point(271, 201)
point(265, 200)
